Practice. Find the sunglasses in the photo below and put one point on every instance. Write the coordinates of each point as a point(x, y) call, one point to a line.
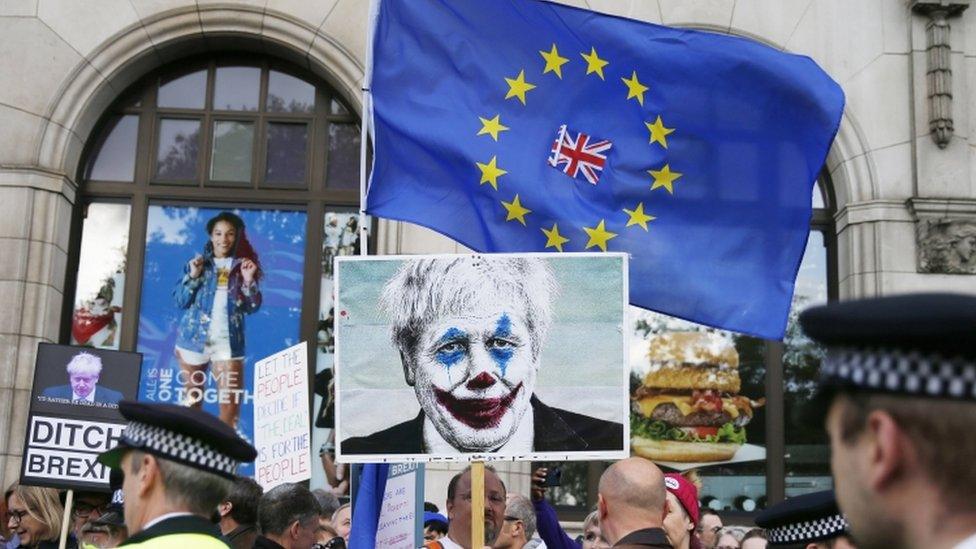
point(334, 543)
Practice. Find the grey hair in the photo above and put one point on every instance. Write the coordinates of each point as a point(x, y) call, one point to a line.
point(85, 363)
point(593, 519)
point(424, 289)
point(199, 492)
point(519, 506)
point(281, 506)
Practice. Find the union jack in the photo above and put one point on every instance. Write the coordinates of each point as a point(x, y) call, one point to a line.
point(579, 154)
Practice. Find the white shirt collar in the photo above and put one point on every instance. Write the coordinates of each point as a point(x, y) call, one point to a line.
point(89, 398)
point(161, 518)
point(449, 543)
point(968, 543)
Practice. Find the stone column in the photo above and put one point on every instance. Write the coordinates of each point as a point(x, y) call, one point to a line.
point(35, 222)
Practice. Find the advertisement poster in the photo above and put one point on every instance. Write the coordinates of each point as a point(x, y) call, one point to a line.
point(481, 356)
point(696, 392)
point(74, 414)
point(281, 433)
point(222, 288)
point(341, 237)
point(97, 312)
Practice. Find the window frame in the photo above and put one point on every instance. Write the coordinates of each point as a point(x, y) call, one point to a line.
point(315, 197)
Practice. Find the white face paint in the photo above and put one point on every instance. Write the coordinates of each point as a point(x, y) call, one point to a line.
point(474, 375)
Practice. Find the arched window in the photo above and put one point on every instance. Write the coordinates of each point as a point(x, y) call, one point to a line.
point(263, 140)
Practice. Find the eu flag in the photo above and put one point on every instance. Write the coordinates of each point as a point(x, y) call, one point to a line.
point(368, 505)
point(522, 125)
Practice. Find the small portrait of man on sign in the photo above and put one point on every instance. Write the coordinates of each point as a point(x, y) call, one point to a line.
point(83, 372)
point(470, 333)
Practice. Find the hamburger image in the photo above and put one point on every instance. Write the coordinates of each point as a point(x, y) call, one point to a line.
point(688, 408)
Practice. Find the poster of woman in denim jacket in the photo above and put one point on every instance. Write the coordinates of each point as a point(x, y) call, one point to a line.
point(217, 290)
point(222, 289)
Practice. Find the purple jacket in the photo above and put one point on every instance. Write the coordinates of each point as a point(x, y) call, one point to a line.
point(549, 529)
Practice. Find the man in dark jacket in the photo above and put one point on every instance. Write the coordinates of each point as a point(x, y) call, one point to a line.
point(632, 504)
point(239, 513)
point(288, 516)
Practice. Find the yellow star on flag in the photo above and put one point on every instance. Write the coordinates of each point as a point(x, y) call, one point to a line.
point(664, 178)
point(599, 236)
point(554, 239)
point(515, 210)
point(518, 86)
point(491, 127)
point(594, 63)
point(635, 88)
point(659, 133)
point(638, 217)
point(554, 63)
point(490, 172)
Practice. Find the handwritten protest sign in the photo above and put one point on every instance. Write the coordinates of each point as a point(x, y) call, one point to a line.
point(281, 418)
point(401, 517)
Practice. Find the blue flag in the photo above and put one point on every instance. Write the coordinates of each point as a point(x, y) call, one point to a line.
point(368, 504)
point(522, 125)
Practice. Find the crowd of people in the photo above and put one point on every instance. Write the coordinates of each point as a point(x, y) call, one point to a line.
point(897, 390)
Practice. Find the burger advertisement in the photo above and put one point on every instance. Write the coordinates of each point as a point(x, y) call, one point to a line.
point(687, 401)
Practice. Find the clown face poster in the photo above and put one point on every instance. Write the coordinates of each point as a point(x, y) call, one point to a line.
point(501, 356)
point(222, 288)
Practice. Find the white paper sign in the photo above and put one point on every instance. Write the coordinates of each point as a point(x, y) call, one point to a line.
point(281, 418)
point(396, 528)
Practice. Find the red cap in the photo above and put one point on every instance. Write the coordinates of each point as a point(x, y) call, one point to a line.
point(686, 493)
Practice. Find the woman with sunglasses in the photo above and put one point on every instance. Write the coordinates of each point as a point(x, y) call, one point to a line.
point(34, 515)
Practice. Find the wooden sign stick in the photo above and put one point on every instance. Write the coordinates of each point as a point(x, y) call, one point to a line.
point(477, 504)
point(66, 520)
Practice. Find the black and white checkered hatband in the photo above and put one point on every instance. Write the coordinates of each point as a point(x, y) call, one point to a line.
point(178, 447)
point(903, 372)
point(808, 531)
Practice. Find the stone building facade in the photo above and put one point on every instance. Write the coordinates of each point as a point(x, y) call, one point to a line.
point(901, 174)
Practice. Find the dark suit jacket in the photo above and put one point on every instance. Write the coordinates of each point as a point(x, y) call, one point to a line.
point(242, 537)
point(648, 537)
point(555, 431)
point(103, 395)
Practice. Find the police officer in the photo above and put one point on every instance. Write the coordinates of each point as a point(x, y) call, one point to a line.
point(178, 465)
point(810, 521)
point(899, 379)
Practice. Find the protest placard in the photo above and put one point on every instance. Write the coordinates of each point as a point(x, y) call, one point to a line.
point(281, 418)
point(74, 414)
point(516, 356)
point(400, 525)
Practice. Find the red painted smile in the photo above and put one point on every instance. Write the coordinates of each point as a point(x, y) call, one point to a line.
point(477, 413)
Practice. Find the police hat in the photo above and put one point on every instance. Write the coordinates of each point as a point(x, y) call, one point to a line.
point(184, 435)
point(803, 519)
point(917, 344)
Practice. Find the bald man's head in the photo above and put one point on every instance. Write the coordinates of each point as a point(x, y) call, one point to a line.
point(634, 482)
point(632, 497)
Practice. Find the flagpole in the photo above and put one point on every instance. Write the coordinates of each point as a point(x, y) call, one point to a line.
point(364, 130)
point(477, 504)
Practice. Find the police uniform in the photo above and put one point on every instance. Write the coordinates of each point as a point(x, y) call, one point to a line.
point(921, 346)
point(189, 437)
point(810, 518)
